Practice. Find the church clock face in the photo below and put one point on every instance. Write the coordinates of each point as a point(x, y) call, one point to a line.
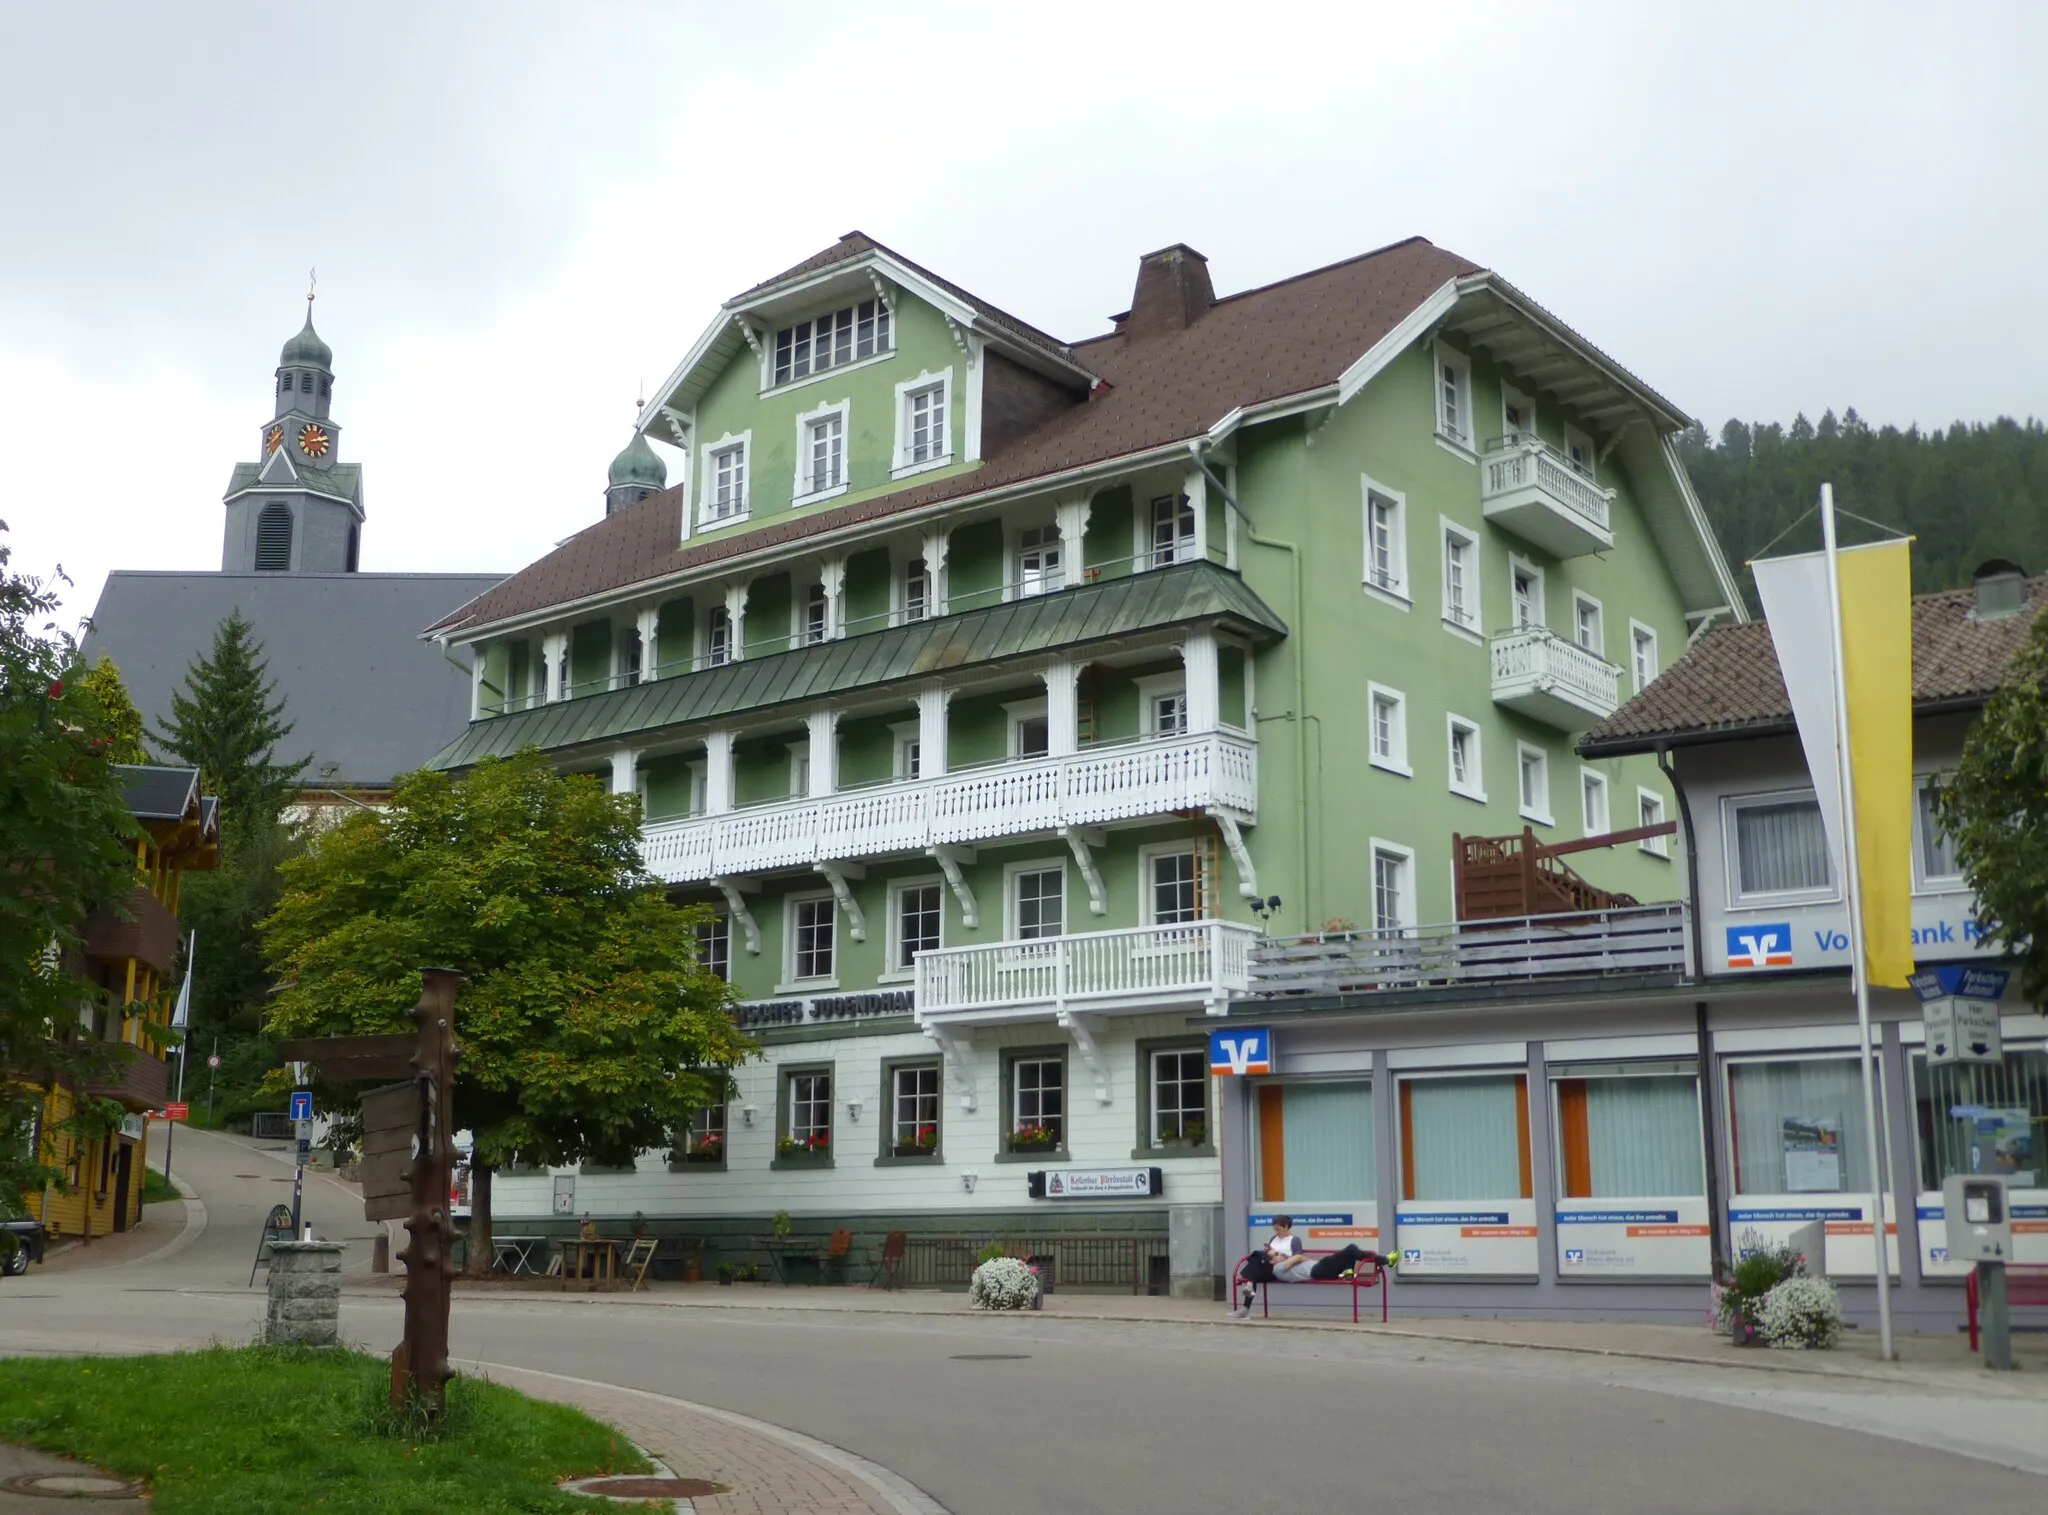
point(272, 440)
point(313, 440)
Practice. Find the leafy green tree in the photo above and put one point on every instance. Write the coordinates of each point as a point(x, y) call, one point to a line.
point(1996, 808)
point(115, 713)
point(226, 724)
point(63, 832)
point(589, 1029)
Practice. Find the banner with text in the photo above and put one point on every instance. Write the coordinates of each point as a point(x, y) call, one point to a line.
point(1482, 1237)
point(1634, 1238)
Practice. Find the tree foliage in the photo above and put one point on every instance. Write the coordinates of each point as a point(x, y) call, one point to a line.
point(1967, 494)
point(63, 825)
point(589, 1030)
point(226, 724)
point(114, 713)
point(1996, 808)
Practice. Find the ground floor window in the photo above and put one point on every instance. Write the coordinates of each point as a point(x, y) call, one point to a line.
point(705, 1140)
point(1627, 1135)
point(807, 1114)
point(1983, 1118)
point(1037, 1091)
point(1315, 1142)
point(1465, 1137)
point(914, 1110)
point(1797, 1127)
point(1179, 1097)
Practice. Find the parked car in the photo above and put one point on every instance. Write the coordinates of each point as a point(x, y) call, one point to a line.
point(22, 1243)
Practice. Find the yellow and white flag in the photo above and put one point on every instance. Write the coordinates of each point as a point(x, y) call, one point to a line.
point(1876, 727)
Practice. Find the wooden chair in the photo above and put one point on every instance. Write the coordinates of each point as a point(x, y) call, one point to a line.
point(887, 1264)
point(835, 1253)
point(638, 1258)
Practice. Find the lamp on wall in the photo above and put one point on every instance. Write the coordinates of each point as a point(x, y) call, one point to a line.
point(967, 1181)
point(746, 1115)
point(853, 1111)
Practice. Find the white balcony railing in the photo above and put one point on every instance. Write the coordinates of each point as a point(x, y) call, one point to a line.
point(1540, 674)
point(1158, 777)
point(1538, 495)
point(1143, 969)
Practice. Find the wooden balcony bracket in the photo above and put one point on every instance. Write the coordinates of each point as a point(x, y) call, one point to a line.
point(836, 874)
point(959, 1069)
point(730, 888)
point(1081, 839)
point(950, 860)
point(1077, 1026)
point(1233, 838)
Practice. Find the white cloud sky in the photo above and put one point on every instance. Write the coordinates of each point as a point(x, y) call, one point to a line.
point(522, 212)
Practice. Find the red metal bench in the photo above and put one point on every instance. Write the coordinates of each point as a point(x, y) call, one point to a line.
point(1371, 1276)
point(2025, 1284)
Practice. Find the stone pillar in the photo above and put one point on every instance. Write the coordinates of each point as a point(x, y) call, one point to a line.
point(932, 701)
point(824, 734)
point(1204, 681)
point(304, 1309)
point(1062, 709)
point(1191, 1255)
point(717, 772)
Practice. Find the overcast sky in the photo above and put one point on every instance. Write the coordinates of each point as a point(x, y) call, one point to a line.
point(521, 213)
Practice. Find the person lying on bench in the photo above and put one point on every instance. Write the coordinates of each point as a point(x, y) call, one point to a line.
point(1280, 1261)
point(1347, 1262)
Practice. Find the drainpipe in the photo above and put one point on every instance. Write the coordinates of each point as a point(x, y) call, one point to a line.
point(1692, 861)
point(1710, 1083)
point(1300, 677)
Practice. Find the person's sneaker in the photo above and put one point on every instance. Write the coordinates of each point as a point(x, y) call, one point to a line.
point(1241, 1312)
point(1353, 1272)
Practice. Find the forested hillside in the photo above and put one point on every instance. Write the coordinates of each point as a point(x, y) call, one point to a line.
point(1966, 494)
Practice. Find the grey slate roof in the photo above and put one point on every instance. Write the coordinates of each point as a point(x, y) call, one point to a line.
point(343, 649)
point(341, 482)
point(1089, 613)
point(155, 793)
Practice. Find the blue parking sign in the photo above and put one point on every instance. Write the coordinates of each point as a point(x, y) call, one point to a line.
point(302, 1104)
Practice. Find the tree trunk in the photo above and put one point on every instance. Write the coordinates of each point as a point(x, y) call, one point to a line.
point(481, 1252)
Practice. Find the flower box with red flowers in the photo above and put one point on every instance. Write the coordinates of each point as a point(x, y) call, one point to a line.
point(1035, 1136)
point(813, 1148)
point(922, 1142)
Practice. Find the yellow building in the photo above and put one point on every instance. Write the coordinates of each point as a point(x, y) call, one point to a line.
point(130, 954)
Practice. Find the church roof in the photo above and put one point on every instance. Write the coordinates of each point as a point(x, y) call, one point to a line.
point(341, 482)
point(363, 692)
point(306, 349)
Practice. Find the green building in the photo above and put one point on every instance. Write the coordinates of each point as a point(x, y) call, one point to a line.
point(1000, 691)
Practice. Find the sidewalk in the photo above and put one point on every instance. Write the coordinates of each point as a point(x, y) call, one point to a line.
point(1928, 1361)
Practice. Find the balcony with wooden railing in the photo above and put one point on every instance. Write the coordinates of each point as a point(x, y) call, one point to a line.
point(1542, 498)
point(1146, 969)
point(1129, 781)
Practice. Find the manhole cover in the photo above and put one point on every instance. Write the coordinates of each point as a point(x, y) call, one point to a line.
point(990, 1356)
point(646, 1486)
point(72, 1486)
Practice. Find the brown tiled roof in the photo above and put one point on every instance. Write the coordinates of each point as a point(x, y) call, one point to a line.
point(1264, 344)
point(1728, 685)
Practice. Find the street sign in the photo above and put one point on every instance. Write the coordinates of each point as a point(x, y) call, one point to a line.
point(179, 1111)
point(213, 1061)
point(1962, 1031)
point(302, 1104)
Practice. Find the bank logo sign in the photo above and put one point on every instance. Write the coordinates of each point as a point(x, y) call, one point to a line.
point(1766, 946)
point(1248, 1050)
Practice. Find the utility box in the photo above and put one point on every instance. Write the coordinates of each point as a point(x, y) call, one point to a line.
point(1977, 1218)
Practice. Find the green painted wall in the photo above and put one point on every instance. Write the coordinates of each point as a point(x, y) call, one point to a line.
point(974, 566)
point(590, 657)
point(869, 592)
point(675, 636)
point(665, 783)
point(769, 602)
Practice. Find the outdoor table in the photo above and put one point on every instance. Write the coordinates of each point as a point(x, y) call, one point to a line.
point(514, 1254)
point(782, 1248)
point(603, 1253)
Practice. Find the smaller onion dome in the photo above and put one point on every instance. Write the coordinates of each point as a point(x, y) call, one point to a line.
point(638, 464)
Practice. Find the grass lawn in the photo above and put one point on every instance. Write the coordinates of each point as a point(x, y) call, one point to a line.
point(156, 1188)
point(257, 1430)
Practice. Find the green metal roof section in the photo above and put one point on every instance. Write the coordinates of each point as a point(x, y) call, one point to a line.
point(336, 483)
point(1089, 613)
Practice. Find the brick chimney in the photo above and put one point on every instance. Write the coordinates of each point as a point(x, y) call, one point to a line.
point(1173, 291)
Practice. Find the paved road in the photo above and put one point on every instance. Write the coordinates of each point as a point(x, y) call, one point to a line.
point(990, 1415)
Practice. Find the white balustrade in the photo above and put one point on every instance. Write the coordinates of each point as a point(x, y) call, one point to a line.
point(1158, 777)
point(1527, 463)
point(1204, 962)
point(1541, 674)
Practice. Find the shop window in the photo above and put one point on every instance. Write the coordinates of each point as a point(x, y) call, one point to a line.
point(1798, 1127)
point(1983, 1118)
point(1629, 1136)
point(1315, 1142)
point(1465, 1138)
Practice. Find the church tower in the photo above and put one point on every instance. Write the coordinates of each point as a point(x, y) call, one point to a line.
point(298, 510)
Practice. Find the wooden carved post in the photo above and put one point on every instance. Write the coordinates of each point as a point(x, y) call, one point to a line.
point(419, 1365)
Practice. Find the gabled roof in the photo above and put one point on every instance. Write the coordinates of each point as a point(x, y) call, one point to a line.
point(1728, 686)
point(156, 793)
point(1096, 613)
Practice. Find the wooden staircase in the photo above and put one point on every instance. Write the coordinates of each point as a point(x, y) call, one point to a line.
point(1507, 877)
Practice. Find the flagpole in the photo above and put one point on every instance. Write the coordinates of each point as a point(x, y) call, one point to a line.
point(1859, 969)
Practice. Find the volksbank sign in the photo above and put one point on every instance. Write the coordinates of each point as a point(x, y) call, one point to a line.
point(1818, 936)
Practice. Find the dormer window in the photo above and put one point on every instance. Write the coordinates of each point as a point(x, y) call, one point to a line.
point(830, 341)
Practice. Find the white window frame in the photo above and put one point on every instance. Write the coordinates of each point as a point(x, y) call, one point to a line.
point(1650, 811)
point(717, 930)
point(1458, 439)
point(1474, 787)
point(742, 443)
point(1528, 811)
point(1394, 589)
point(882, 354)
point(903, 465)
point(790, 905)
point(899, 591)
point(1592, 782)
point(1581, 601)
point(1012, 927)
point(1378, 849)
point(1148, 914)
point(1017, 713)
point(897, 889)
point(842, 410)
point(916, 1069)
point(699, 770)
point(906, 755)
point(1469, 625)
point(1517, 565)
point(711, 621)
point(1155, 1137)
point(1731, 805)
point(804, 606)
point(1511, 396)
point(1154, 688)
point(1185, 548)
point(1013, 562)
point(1574, 438)
point(1640, 636)
point(1395, 759)
point(799, 770)
point(1923, 881)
